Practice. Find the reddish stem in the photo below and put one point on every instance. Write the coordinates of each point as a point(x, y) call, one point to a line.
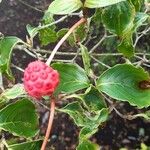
point(50, 122)
point(81, 21)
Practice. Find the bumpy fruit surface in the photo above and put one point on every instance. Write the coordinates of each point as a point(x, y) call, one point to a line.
point(40, 79)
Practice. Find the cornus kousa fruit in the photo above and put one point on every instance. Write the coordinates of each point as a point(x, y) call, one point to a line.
point(40, 79)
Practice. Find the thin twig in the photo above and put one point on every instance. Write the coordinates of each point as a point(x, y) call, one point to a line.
point(34, 8)
point(112, 107)
point(82, 20)
point(103, 64)
point(30, 53)
point(50, 122)
point(53, 23)
point(18, 68)
point(140, 36)
point(99, 43)
point(43, 51)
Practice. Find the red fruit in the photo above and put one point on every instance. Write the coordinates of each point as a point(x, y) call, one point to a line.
point(40, 79)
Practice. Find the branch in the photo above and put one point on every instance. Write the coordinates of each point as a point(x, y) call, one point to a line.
point(44, 51)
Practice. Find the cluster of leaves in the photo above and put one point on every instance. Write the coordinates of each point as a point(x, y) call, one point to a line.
point(89, 110)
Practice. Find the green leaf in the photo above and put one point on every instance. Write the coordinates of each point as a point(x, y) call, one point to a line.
point(137, 4)
point(86, 133)
point(140, 18)
point(99, 118)
point(48, 19)
point(86, 59)
point(14, 92)
point(83, 118)
point(122, 83)
point(20, 119)
point(144, 147)
point(92, 127)
point(93, 100)
point(87, 145)
point(97, 18)
point(47, 36)
point(72, 77)
point(81, 32)
point(61, 7)
point(76, 112)
point(33, 31)
point(100, 3)
point(45, 29)
point(6, 46)
point(119, 18)
point(126, 47)
point(32, 145)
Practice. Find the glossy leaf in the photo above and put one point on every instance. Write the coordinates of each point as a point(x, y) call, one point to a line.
point(87, 145)
point(32, 145)
point(6, 46)
point(100, 3)
point(72, 77)
point(122, 83)
point(61, 7)
point(20, 119)
point(119, 18)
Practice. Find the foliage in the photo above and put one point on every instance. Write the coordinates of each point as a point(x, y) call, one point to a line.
point(122, 21)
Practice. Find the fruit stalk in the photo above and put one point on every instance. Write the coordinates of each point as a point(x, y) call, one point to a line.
point(50, 122)
point(82, 20)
